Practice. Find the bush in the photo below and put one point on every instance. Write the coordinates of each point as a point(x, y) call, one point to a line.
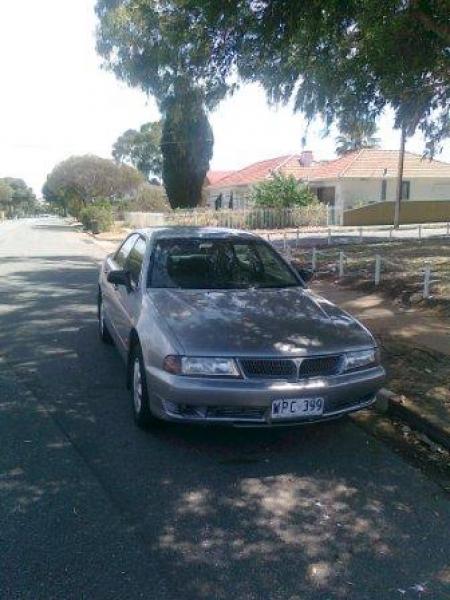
point(97, 217)
point(282, 192)
point(149, 198)
point(75, 207)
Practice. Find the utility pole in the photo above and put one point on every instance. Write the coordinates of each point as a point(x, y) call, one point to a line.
point(398, 198)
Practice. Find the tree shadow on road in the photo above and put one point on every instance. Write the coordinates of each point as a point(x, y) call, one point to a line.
point(316, 512)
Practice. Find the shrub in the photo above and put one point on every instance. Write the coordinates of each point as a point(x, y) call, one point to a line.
point(282, 192)
point(97, 217)
point(149, 198)
point(75, 207)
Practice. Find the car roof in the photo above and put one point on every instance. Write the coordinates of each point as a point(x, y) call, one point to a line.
point(163, 233)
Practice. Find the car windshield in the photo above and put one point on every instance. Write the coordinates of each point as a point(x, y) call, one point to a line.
point(218, 264)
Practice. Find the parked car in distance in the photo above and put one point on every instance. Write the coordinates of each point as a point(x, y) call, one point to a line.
point(215, 326)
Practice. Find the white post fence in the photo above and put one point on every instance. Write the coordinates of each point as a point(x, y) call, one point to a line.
point(341, 265)
point(342, 270)
point(314, 259)
point(426, 281)
point(377, 269)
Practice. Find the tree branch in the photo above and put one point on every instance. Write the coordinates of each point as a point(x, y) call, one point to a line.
point(440, 29)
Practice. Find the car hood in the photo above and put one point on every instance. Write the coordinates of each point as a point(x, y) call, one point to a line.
point(274, 322)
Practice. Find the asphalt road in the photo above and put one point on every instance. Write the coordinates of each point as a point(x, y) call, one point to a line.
point(91, 507)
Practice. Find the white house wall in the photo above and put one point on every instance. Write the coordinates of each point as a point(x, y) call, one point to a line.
point(362, 191)
point(338, 197)
point(240, 196)
point(430, 189)
point(355, 192)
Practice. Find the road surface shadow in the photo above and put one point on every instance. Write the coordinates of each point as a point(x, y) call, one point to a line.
point(315, 512)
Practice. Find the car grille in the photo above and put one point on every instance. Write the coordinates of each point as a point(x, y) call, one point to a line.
point(227, 413)
point(321, 366)
point(236, 412)
point(269, 369)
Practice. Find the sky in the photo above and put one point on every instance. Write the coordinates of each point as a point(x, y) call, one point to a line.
point(57, 101)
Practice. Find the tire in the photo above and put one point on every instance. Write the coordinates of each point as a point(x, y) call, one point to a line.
point(103, 330)
point(138, 390)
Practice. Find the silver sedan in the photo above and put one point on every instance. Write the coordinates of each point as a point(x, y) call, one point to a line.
point(216, 327)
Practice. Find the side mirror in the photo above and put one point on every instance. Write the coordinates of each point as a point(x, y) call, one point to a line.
point(120, 278)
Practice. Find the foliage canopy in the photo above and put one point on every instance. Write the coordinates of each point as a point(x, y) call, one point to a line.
point(141, 149)
point(355, 133)
point(80, 180)
point(17, 196)
point(153, 45)
point(331, 57)
point(282, 191)
point(6, 194)
point(157, 45)
point(187, 146)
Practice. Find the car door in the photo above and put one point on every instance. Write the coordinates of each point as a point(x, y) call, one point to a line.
point(129, 300)
point(111, 293)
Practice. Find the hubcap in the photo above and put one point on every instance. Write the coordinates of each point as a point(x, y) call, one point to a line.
point(137, 386)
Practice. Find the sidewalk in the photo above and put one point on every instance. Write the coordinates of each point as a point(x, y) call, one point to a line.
point(416, 353)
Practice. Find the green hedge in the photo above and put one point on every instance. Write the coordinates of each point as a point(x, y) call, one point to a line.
point(97, 218)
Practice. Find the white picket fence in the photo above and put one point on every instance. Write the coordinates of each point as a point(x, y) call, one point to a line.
point(316, 215)
point(376, 268)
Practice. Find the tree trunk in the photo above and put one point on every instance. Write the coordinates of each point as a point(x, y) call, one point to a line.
point(401, 160)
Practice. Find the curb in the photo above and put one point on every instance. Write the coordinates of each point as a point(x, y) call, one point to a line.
point(388, 402)
point(99, 243)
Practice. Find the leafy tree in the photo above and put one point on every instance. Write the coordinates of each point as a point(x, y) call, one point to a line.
point(80, 180)
point(152, 45)
point(149, 198)
point(23, 198)
point(356, 133)
point(141, 149)
point(187, 146)
point(331, 56)
point(282, 191)
point(6, 194)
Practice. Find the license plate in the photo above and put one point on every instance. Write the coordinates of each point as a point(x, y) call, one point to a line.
point(297, 408)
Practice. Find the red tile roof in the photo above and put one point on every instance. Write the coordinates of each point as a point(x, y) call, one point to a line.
point(376, 163)
point(365, 163)
point(214, 177)
point(259, 171)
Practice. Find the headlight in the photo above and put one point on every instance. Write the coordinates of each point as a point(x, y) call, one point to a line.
point(361, 359)
point(204, 367)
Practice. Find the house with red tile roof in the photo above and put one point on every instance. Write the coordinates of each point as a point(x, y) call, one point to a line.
point(357, 178)
point(234, 189)
point(213, 177)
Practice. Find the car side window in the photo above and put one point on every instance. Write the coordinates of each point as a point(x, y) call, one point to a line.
point(135, 259)
point(274, 268)
point(125, 249)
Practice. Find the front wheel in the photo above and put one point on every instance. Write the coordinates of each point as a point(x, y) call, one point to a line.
point(139, 393)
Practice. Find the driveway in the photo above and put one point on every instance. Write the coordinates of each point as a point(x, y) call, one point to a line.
point(91, 507)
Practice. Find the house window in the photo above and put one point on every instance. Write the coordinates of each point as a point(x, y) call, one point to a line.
point(383, 190)
point(405, 190)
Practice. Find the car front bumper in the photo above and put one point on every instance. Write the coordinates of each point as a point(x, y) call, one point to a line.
point(248, 402)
